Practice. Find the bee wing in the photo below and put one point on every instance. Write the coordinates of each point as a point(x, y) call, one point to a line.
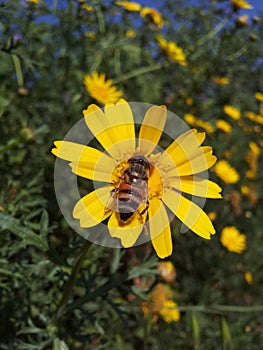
point(112, 203)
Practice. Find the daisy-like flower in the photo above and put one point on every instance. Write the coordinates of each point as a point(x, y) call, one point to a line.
point(220, 80)
point(224, 126)
point(257, 118)
point(162, 177)
point(155, 16)
point(241, 4)
point(248, 277)
point(129, 5)
point(169, 311)
point(198, 123)
point(161, 304)
point(172, 50)
point(226, 172)
point(259, 96)
point(32, 1)
point(101, 89)
point(233, 240)
point(232, 112)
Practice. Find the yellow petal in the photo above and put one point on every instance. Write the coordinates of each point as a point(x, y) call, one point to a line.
point(186, 155)
point(152, 128)
point(196, 186)
point(160, 228)
point(128, 232)
point(99, 169)
point(90, 209)
point(113, 128)
point(189, 213)
point(75, 152)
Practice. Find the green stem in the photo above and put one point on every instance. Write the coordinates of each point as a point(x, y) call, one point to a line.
point(12, 143)
point(137, 72)
point(18, 68)
point(213, 32)
point(215, 309)
point(71, 282)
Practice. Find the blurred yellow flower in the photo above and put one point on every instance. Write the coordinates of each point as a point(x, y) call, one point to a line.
point(244, 190)
point(130, 33)
point(90, 35)
point(224, 126)
point(233, 240)
point(232, 112)
point(172, 50)
point(241, 4)
point(101, 89)
point(86, 7)
point(129, 5)
point(189, 101)
point(226, 172)
point(190, 119)
point(254, 148)
point(205, 126)
point(161, 304)
point(33, 1)
point(170, 312)
point(198, 123)
point(155, 16)
point(257, 118)
point(167, 271)
point(220, 80)
point(248, 277)
point(252, 160)
point(259, 96)
point(212, 215)
point(170, 174)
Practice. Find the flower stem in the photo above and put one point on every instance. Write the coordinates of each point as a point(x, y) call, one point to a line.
point(71, 282)
point(18, 68)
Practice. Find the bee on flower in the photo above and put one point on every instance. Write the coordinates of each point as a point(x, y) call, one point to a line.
point(138, 182)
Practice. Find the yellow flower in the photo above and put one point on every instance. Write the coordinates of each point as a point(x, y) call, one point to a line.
point(232, 112)
point(224, 126)
point(190, 119)
point(226, 172)
point(241, 4)
point(172, 50)
point(32, 1)
point(167, 271)
point(170, 312)
point(101, 89)
point(254, 117)
point(254, 148)
point(154, 15)
point(248, 277)
point(170, 174)
point(233, 240)
point(259, 96)
point(212, 215)
point(129, 5)
point(130, 33)
point(90, 35)
point(161, 303)
point(189, 101)
point(205, 126)
point(198, 123)
point(220, 80)
point(87, 8)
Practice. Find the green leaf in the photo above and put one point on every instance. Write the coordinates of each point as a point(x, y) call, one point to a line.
point(27, 236)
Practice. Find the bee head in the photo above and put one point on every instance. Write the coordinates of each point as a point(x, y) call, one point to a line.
point(140, 160)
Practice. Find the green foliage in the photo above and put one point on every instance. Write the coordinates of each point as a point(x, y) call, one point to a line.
point(58, 292)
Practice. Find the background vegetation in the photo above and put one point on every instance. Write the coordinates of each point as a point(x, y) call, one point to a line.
point(53, 294)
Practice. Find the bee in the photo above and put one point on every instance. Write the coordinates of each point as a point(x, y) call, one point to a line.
point(131, 195)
